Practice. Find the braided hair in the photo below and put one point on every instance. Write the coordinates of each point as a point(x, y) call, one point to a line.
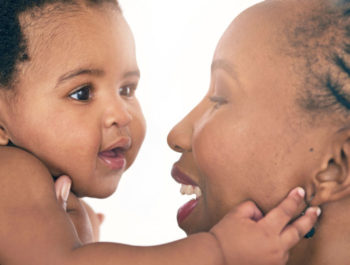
point(320, 39)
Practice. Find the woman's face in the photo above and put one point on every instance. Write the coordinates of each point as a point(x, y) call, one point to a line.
point(74, 106)
point(247, 138)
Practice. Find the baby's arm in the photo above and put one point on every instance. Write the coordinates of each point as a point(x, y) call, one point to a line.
point(35, 229)
point(264, 240)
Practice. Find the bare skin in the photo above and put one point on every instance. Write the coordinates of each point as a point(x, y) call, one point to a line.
point(68, 115)
point(59, 243)
point(251, 115)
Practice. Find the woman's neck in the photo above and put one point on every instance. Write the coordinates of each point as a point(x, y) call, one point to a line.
point(331, 242)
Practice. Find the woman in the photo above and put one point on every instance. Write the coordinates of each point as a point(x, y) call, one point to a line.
point(275, 117)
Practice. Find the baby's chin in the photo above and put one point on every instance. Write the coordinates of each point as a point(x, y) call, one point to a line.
point(101, 191)
point(99, 194)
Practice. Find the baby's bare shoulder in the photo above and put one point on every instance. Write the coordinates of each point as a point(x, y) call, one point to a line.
point(22, 174)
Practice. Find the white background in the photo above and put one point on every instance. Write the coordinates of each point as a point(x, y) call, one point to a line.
point(175, 42)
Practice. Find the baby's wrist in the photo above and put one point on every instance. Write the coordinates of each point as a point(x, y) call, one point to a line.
point(215, 248)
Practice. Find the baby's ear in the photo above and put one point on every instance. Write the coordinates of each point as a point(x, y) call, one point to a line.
point(4, 139)
point(332, 182)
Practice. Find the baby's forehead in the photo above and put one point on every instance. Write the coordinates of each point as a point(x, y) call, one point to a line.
point(57, 28)
point(50, 20)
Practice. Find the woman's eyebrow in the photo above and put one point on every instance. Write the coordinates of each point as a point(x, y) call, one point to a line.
point(132, 73)
point(226, 66)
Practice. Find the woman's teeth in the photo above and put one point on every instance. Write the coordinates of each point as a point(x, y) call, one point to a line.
point(189, 190)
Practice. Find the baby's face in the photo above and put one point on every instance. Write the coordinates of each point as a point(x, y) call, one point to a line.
point(75, 107)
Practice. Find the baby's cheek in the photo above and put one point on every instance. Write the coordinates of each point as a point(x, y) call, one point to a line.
point(137, 133)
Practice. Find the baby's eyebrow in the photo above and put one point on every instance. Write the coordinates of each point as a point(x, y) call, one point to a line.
point(79, 71)
point(95, 72)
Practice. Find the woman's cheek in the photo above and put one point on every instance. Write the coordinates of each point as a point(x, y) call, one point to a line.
point(212, 150)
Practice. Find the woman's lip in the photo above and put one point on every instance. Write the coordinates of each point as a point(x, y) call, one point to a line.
point(186, 210)
point(181, 177)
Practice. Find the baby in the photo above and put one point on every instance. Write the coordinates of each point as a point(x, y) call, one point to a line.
point(68, 76)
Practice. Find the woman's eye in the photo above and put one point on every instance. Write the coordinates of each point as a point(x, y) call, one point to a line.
point(127, 91)
point(218, 101)
point(82, 94)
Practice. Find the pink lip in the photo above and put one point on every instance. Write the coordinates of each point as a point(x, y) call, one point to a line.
point(115, 162)
point(124, 143)
point(114, 156)
point(181, 177)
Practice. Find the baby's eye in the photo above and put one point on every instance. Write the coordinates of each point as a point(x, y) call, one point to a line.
point(218, 101)
point(82, 94)
point(127, 91)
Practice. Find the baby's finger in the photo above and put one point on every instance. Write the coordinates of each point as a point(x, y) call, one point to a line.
point(300, 227)
point(248, 210)
point(62, 188)
point(290, 207)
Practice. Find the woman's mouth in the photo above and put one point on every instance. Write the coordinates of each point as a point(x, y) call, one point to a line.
point(114, 158)
point(188, 187)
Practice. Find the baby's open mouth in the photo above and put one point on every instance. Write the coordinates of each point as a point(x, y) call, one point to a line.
point(114, 158)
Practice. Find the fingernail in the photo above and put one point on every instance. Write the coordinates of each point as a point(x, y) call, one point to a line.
point(317, 210)
point(58, 189)
point(65, 191)
point(301, 192)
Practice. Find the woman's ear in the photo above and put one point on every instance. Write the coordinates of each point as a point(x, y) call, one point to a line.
point(333, 182)
point(4, 138)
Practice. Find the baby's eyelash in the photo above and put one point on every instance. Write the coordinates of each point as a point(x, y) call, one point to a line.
point(82, 93)
point(128, 90)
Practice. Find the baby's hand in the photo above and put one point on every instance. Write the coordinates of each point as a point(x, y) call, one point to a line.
point(85, 220)
point(248, 238)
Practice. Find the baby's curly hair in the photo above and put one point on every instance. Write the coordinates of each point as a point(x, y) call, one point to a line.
point(13, 44)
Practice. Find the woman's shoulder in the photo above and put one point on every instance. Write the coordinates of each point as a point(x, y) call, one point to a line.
point(21, 171)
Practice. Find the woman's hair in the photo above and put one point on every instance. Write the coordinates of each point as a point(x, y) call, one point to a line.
point(13, 44)
point(320, 39)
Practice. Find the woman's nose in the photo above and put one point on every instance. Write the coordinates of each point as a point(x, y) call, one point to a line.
point(180, 137)
point(116, 113)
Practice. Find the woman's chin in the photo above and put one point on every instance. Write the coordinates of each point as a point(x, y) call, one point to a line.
point(195, 222)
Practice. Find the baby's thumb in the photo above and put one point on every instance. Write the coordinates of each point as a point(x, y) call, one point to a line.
point(249, 210)
point(62, 188)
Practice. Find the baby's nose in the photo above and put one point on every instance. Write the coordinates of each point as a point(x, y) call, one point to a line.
point(117, 113)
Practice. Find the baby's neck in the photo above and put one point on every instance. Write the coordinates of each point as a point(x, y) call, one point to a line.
point(331, 242)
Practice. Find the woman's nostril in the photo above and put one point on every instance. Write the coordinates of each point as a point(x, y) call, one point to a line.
point(178, 148)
